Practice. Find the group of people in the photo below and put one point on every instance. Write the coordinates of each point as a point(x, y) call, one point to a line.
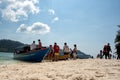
point(33, 46)
point(27, 48)
point(105, 52)
point(73, 53)
point(55, 50)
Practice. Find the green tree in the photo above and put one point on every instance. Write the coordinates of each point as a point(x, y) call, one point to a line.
point(117, 39)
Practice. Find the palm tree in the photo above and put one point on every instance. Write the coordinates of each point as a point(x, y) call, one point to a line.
point(117, 39)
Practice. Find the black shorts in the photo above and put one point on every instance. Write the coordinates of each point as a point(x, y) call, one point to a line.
point(66, 53)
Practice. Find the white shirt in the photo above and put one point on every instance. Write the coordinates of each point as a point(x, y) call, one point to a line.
point(32, 46)
point(66, 48)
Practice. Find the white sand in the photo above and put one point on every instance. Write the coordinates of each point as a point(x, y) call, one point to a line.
point(89, 69)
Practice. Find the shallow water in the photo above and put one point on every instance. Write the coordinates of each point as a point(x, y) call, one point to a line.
point(7, 58)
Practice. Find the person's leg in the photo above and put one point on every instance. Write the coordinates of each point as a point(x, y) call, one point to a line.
point(48, 56)
point(56, 57)
point(74, 56)
point(65, 55)
point(53, 57)
point(108, 55)
point(105, 56)
point(118, 56)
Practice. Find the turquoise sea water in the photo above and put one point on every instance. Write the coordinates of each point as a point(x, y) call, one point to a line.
point(6, 58)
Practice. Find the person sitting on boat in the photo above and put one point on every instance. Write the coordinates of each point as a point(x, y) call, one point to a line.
point(39, 44)
point(33, 46)
point(56, 51)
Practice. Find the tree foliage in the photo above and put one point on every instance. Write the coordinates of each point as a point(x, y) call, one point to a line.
point(117, 39)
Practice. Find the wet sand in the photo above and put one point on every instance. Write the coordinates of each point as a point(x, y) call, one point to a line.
point(81, 69)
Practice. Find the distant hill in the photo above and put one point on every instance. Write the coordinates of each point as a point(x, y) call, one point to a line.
point(82, 55)
point(7, 45)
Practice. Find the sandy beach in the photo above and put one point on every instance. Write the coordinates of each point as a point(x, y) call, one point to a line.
point(81, 69)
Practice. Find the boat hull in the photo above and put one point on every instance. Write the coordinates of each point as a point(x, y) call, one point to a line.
point(34, 56)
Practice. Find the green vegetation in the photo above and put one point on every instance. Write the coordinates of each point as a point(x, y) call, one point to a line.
point(117, 39)
point(9, 45)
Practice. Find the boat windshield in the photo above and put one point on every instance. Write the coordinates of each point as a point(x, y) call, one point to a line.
point(22, 49)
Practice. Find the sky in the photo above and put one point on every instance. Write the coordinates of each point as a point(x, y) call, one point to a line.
point(88, 23)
